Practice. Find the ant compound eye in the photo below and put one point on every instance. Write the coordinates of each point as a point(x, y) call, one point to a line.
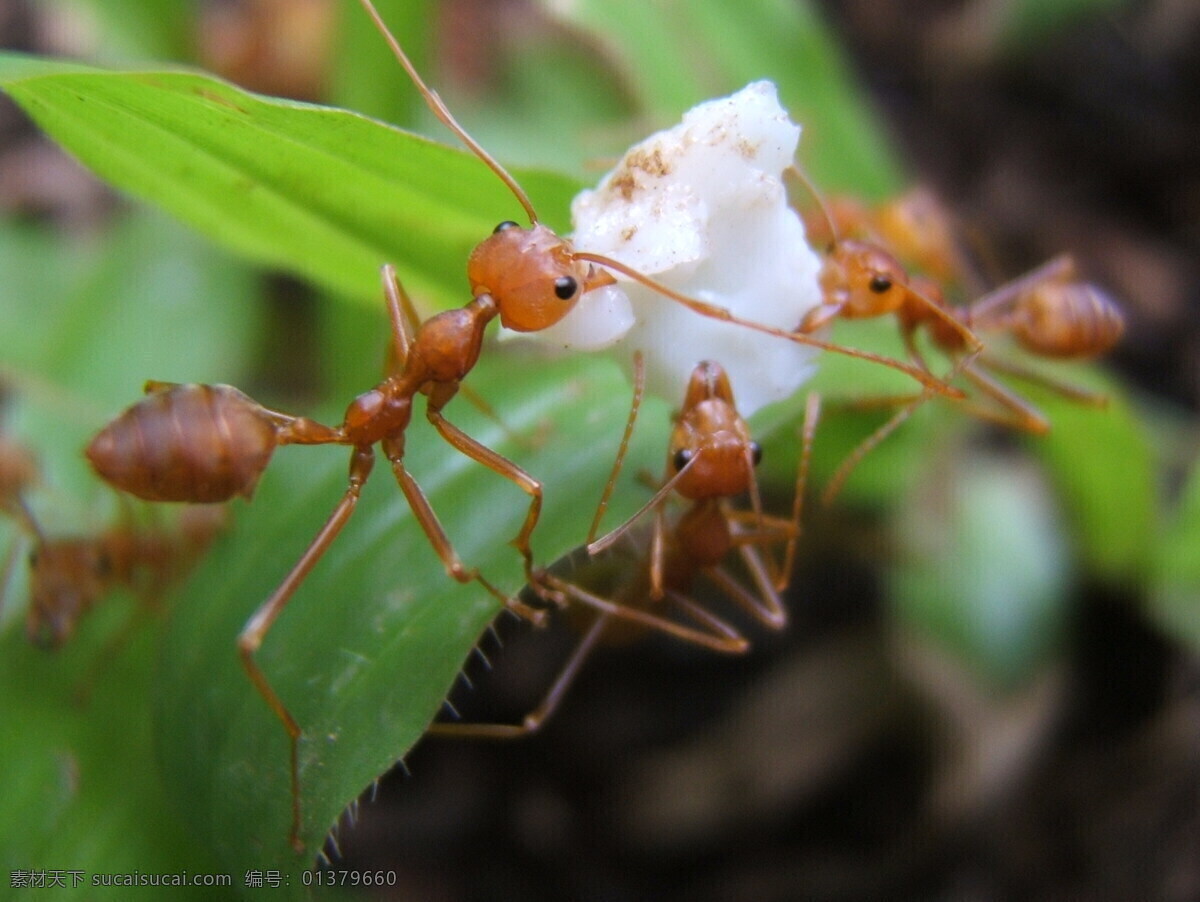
point(682, 456)
point(756, 453)
point(880, 283)
point(565, 288)
point(505, 226)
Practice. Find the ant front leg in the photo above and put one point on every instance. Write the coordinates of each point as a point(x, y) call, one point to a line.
point(260, 622)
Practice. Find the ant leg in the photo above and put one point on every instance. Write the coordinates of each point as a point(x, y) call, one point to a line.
point(1058, 268)
point(872, 441)
point(768, 608)
point(500, 464)
point(639, 388)
point(531, 722)
point(812, 415)
point(260, 622)
point(722, 637)
point(393, 448)
point(1021, 414)
point(866, 446)
point(1071, 392)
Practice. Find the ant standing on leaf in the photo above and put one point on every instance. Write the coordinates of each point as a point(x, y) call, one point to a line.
point(710, 461)
point(1049, 312)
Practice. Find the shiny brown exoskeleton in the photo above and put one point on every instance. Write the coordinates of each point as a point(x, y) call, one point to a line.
point(710, 461)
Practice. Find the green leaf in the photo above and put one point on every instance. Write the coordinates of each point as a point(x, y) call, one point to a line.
point(1175, 595)
point(325, 193)
point(1101, 466)
point(82, 792)
point(983, 566)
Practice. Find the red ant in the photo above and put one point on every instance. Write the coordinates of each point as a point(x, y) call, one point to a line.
point(710, 460)
point(70, 574)
point(1049, 311)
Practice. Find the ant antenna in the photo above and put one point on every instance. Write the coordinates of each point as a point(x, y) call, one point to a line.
point(443, 113)
point(800, 174)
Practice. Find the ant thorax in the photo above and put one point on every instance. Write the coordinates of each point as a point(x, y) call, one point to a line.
point(702, 208)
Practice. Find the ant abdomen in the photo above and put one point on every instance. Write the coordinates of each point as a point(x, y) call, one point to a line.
point(1068, 319)
point(198, 443)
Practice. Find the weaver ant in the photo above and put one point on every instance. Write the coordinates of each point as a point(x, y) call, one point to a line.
point(1050, 312)
point(69, 575)
point(710, 460)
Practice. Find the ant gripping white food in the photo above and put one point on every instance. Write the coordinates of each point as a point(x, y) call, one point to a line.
point(702, 208)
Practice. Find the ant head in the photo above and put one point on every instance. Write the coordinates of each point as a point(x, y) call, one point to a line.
point(532, 276)
point(711, 439)
point(872, 280)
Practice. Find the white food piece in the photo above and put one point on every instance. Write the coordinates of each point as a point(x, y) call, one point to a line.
point(701, 208)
